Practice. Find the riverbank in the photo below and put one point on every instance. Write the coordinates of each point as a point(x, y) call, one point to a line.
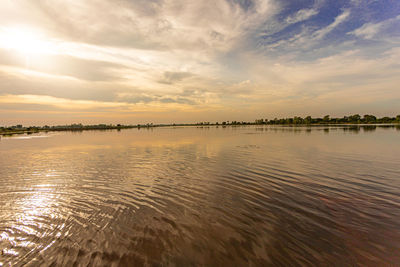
point(73, 128)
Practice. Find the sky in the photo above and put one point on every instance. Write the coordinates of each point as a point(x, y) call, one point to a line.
point(171, 61)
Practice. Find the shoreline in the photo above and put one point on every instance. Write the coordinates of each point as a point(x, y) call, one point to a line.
point(34, 130)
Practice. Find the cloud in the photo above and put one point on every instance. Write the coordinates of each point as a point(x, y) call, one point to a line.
point(173, 77)
point(301, 15)
point(370, 30)
point(338, 20)
point(64, 65)
point(214, 55)
point(148, 25)
point(307, 41)
point(179, 100)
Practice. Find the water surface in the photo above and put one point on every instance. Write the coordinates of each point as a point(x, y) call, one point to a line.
point(184, 196)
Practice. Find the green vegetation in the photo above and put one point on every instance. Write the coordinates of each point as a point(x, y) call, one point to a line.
point(353, 119)
point(19, 129)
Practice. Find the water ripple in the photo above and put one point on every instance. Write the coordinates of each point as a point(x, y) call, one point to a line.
point(244, 196)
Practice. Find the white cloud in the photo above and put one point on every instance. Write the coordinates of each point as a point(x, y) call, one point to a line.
point(308, 37)
point(368, 30)
point(371, 30)
point(338, 20)
point(301, 15)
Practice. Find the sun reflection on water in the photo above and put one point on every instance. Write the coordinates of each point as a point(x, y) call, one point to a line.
point(34, 212)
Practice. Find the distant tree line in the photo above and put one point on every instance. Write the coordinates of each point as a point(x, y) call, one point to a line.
point(352, 119)
point(17, 129)
point(296, 120)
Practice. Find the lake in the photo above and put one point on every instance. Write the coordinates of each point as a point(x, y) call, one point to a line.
point(212, 196)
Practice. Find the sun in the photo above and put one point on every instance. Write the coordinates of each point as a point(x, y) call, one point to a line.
point(25, 41)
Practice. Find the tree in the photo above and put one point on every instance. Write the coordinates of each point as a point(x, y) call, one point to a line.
point(369, 118)
point(297, 120)
point(355, 118)
point(326, 118)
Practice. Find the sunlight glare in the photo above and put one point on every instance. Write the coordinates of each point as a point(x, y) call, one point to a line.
point(26, 41)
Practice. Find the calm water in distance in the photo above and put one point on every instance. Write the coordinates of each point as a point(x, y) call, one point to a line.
point(188, 196)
